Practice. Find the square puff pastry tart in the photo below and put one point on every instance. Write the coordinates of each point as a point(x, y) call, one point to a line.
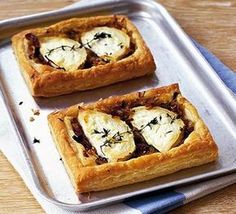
point(131, 138)
point(80, 54)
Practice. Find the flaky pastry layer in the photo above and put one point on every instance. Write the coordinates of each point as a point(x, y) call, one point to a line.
point(46, 81)
point(197, 149)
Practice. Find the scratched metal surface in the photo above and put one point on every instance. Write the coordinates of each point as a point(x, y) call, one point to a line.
point(177, 61)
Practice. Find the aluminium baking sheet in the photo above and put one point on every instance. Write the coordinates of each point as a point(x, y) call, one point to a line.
point(177, 61)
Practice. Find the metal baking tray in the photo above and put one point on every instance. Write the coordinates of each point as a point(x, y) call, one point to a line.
point(177, 60)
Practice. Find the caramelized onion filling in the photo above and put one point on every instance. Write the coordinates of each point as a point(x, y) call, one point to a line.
point(80, 137)
point(123, 111)
point(92, 58)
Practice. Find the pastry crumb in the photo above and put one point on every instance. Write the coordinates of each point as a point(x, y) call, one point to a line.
point(31, 119)
point(35, 111)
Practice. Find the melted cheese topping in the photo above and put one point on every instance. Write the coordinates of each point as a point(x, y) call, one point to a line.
point(63, 52)
point(159, 127)
point(107, 42)
point(111, 137)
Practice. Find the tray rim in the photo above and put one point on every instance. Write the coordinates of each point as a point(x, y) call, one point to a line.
point(58, 14)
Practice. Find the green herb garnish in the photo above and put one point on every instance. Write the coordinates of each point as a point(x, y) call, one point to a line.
point(120, 45)
point(64, 48)
point(98, 36)
point(104, 132)
point(116, 138)
point(51, 61)
point(168, 132)
point(36, 140)
point(150, 124)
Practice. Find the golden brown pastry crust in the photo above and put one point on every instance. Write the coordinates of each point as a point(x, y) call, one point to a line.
point(46, 81)
point(197, 149)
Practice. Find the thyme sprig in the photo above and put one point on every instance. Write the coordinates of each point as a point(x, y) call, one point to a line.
point(63, 47)
point(172, 118)
point(120, 45)
point(150, 124)
point(119, 136)
point(97, 36)
point(168, 132)
point(114, 139)
point(104, 132)
point(155, 121)
point(52, 62)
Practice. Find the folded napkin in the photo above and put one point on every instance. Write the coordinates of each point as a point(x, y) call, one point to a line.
point(155, 202)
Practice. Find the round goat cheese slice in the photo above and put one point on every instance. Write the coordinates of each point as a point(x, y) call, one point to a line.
point(107, 42)
point(160, 127)
point(63, 53)
point(110, 136)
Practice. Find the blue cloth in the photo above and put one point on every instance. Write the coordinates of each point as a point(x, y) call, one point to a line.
point(226, 75)
point(156, 203)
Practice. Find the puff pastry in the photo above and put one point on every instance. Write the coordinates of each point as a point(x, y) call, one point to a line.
point(181, 139)
point(80, 54)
